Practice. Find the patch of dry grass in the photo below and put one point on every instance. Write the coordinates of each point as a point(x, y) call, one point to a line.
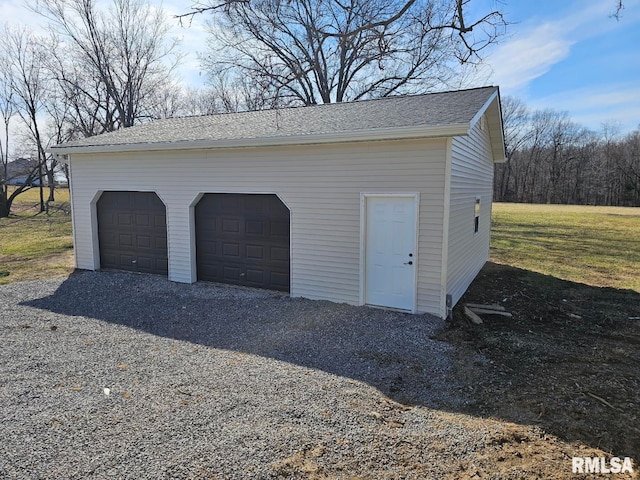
point(593, 245)
point(36, 245)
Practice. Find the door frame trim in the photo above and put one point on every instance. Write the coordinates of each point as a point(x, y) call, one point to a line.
point(363, 243)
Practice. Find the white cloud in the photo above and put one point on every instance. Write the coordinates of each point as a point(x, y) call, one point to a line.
point(593, 106)
point(515, 63)
point(533, 49)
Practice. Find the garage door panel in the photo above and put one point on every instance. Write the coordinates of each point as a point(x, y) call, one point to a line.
point(230, 202)
point(280, 280)
point(109, 259)
point(231, 273)
point(254, 227)
point(210, 271)
point(160, 221)
point(143, 220)
point(207, 251)
point(255, 277)
point(279, 254)
point(254, 204)
point(132, 232)
point(124, 219)
point(125, 240)
point(242, 248)
point(143, 241)
point(231, 250)
point(123, 259)
point(161, 264)
point(231, 225)
point(280, 229)
point(255, 252)
point(160, 242)
point(207, 228)
point(109, 218)
point(145, 264)
point(107, 239)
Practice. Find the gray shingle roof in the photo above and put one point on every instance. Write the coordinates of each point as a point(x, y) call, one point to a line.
point(429, 110)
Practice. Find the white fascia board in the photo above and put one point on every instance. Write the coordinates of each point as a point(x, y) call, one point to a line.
point(483, 109)
point(361, 136)
point(495, 97)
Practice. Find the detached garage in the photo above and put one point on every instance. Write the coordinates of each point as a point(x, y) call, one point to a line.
point(380, 202)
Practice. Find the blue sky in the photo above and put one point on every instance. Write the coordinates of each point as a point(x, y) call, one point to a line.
point(571, 55)
point(561, 54)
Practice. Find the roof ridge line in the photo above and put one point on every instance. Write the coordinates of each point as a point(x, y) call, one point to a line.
point(326, 105)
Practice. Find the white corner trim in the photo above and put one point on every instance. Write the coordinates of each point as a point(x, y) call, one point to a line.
point(94, 228)
point(74, 229)
point(445, 227)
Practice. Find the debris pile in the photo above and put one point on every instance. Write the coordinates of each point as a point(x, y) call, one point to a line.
point(473, 311)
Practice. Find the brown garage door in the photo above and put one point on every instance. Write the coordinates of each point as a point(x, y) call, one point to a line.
point(132, 232)
point(243, 239)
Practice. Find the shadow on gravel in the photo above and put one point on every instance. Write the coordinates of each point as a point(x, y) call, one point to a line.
point(567, 360)
point(394, 352)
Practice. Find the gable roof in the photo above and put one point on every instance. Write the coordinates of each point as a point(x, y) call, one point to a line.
point(429, 115)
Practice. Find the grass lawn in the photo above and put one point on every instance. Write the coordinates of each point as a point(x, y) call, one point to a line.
point(36, 245)
point(598, 246)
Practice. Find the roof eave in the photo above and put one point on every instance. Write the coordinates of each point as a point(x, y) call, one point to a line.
point(492, 107)
point(360, 136)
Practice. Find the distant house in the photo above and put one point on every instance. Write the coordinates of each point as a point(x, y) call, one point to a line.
point(380, 202)
point(21, 172)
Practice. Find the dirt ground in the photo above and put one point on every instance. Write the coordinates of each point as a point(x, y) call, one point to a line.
point(568, 362)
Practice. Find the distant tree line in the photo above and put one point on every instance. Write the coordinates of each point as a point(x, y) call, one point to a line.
point(551, 159)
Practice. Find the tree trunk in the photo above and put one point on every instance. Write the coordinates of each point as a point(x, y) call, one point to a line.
point(4, 206)
point(41, 187)
point(52, 187)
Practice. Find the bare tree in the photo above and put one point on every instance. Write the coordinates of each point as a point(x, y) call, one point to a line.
point(110, 61)
point(168, 101)
point(230, 93)
point(625, 155)
point(60, 128)
point(515, 119)
point(6, 112)
point(24, 70)
point(224, 95)
point(313, 51)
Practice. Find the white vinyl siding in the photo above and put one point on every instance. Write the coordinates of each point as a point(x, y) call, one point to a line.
point(320, 184)
point(471, 178)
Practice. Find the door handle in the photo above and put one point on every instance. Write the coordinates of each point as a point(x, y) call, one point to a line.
point(408, 263)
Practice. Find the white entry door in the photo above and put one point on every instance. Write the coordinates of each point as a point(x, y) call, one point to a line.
point(390, 250)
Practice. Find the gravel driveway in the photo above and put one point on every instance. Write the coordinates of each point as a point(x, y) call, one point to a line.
point(207, 381)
